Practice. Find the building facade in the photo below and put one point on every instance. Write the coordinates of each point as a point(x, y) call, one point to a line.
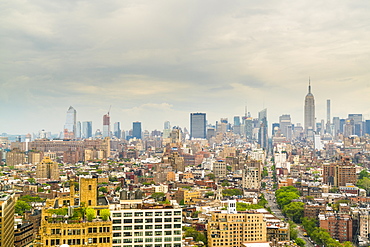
point(198, 125)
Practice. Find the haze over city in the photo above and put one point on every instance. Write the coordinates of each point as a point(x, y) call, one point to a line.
point(157, 61)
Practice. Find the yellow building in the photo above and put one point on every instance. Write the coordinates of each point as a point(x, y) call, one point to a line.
point(47, 169)
point(64, 223)
point(234, 229)
point(191, 197)
point(7, 203)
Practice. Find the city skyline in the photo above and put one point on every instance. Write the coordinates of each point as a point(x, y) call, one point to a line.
point(214, 58)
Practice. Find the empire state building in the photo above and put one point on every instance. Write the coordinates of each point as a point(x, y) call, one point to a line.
point(309, 111)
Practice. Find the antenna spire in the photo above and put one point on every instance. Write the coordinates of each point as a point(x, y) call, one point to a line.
point(309, 84)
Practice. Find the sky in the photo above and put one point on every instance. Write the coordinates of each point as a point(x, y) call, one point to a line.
point(153, 61)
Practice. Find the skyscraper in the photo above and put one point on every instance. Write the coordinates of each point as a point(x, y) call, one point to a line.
point(70, 126)
point(198, 125)
point(285, 125)
point(309, 111)
point(78, 130)
point(328, 124)
point(117, 130)
point(136, 130)
point(106, 125)
point(262, 132)
point(86, 129)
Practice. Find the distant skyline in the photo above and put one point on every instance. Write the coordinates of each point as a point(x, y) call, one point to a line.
point(159, 61)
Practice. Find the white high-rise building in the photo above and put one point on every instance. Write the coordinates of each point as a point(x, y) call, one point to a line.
point(136, 223)
point(70, 126)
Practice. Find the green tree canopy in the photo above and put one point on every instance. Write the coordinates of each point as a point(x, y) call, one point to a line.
point(104, 214)
point(158, 196)
point(300, 242)
point(21, 207)
point(90, 214)
point(294, 211)
point(225, 183)
point(364, 184)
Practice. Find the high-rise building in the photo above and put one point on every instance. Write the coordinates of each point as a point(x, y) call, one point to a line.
point(70, 126)
point(309, 111)
point(221, 229)
point(136, 130)
point(136, 223)
point(86, 129)
point(285, 122)
point(262, 132)
point(340, 173)
point(106, 125)
point(166, 129)
point(198, 125)
point(328, 124)
point(47, 169)
point(367, 127)
point(358, 123)
point(7, 203)
point(117, 130)
point(336, 123)
point(78, 130)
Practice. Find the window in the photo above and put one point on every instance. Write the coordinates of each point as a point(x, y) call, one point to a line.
point(127, 228)
point(138, 234)
point(117, 228)
point(158, 233)
point(139, 214)
point(176, 239)
point(138, 240)
point(117, 221)
point(158, 220)
point(177, 220)
point(148, 220)
point(149, 240)
point(116, 234)
point(167, 226)
point(127, 221)
point(158, 239)
point(117, 215)
point(167, 219)
point(177, 226)
point(89, 202)
point(167, 239)
point(116, 241)
point(127, 240)
point(90, 187)
point(168, 233)
point(158, 226)
point(126, 234)
point(177, 232)
point(148, 213)
point(158, 213)
point(148, 227)
point(139, 220)
point(167, 213)
point(127, 214)
point(139, 227)
point(148, 233)
point(177, 213)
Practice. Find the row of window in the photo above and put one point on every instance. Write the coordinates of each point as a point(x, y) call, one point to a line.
point(156, 220)
point(54, 242)
point(165, 226)
point(141, 214)
point(155, 233)
point(79, 231)
point(150, 245)
point(147, 240)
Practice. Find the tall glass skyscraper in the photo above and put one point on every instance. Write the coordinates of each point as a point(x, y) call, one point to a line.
point(136, 130)
point(106, 125)
point(117, 130)
point(198, 125)
point(86, 129)
point(70, 126)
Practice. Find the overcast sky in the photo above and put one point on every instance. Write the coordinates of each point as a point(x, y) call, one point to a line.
point(161, 60)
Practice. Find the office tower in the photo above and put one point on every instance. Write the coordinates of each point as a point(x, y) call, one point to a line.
point(136, 130)
point(328, 128)
point(117, 130)
point(221, 228)
point(78, 130)
point(70, 126)
point(106, 125)
point(358, 123)
point(136, 223)
point(275, 128)
point(248, 129)
point(166, 129)
point(309, 111)
point(47, 169)
point(7, 203)
point(367, 127)
point(262, 132)
point(237, 125)
point(198, 125)
point(342, 122)
point(285, 121)
point(336, 123)
point(86, 129)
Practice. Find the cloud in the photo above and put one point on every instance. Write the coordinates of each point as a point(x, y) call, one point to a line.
point(208, 56)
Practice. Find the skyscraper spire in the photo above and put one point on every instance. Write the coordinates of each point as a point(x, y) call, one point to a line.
point(309, 84)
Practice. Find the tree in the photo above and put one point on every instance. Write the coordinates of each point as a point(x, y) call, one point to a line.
point(103, 190)
point(225, 183)
point(294, 211)
point(211, 176)
point(21, 207)
point(209, 194)
point(300, 242)
point(104, 214)
point(265, 172)
point(364, 174)
point(158, 196)
point(90, 214)
point(31, 180)
point(232, 192)
point(364, 184)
